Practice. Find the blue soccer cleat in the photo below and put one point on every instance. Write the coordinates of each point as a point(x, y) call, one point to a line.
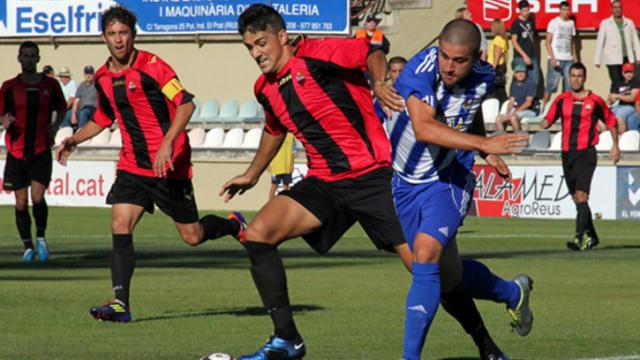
point(29, 255)
point(114, 310)
point(43, 250)
point(237, 216)
point(278, 349)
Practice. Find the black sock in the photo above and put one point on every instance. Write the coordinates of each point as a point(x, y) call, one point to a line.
point(582, 218)
point(216, 226)
point(591, 229)
point(23, 222)
point(123, 263)
point(269, 276)
point(40, 213)
point(464, 310)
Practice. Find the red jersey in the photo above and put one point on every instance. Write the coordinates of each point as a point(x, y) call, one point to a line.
point(580, 119)
point(143, 98)
point(322, 96)
point(32, 106)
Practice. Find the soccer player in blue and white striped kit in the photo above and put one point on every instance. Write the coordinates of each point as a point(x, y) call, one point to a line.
point(433, 143)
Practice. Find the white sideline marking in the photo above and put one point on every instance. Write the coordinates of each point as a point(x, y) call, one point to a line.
point(623, 357)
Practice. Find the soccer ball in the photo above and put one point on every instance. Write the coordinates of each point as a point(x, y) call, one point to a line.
point(217, 356)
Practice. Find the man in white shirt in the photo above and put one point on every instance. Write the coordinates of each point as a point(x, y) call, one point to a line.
point(561, 48)
point(69, 89)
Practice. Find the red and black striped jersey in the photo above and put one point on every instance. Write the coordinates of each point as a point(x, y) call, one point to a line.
point(143, 98)
point(580, 119)
point(32, 106)
point(322, 96)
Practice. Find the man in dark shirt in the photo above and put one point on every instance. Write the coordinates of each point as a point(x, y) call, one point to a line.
point(580, 110)
point(26, 105)
point(523, 40)
point(622, 97)
point(86, 102)
point(522, 103)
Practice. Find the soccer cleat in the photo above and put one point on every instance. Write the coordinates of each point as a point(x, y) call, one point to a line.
point(43, 250)
point(589, 242)
point(114, 310)
point(522, 316)
point(237, 216)
point(575, 244)
point(499, 356)
point(29, 255)
point(278, 349)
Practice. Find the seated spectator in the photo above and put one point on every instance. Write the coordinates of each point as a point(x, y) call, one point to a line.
point(522, 103)
point(622, 98)
point(86, 101)
point(48, 71)
point(373, 35)
point(497, 57)
point(69, 89)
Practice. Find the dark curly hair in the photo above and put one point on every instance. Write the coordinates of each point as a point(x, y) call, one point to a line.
point(120, 14)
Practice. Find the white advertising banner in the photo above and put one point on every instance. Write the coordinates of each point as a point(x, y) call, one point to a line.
point(540, 192)
point(80, 183)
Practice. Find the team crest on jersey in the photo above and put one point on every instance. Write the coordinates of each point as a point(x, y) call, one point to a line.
point(45, 93)
point(300, 76)
point(467, 104)
point(588, 106)
point(132, 86)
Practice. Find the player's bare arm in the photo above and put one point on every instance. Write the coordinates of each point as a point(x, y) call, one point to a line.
point(163, 157)
point(429, 130)
point(69, 144)
point(614, 153)
point(386, 94)
point(268, 148)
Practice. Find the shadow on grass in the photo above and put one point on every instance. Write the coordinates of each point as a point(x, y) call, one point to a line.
point(249, 311)
point(48, 278)
point(533, 253)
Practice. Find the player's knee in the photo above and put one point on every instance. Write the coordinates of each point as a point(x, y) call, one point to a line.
point(37, 198)
point(21, 204)
point(258, 230)
point(121, 225)
point(191, 236)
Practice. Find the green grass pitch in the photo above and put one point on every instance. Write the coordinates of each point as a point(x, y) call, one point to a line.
point(187, 302)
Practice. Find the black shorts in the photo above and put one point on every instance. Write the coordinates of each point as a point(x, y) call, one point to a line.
point(578, 167)
point(19, 173)
point(284, 179)
point(174, 197)
point(339, 204)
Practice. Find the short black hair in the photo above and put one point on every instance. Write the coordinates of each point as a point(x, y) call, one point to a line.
point(462, 32)
point(565, 4)
point(28, 45)
point(120, 14)
point(258, 17)
point(397, 60)
point(523, 4)
point(579, 66)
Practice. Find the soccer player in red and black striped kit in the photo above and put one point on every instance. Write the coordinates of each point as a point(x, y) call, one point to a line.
point(580, 110)
point(26, 105)
point(318, 92)
point(152, 108)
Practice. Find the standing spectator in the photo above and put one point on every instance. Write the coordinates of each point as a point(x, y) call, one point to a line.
point(69, 88)
point(625, 93)
point(523, 39)
point(522, 103)
point(26, 104)
point(373, 34)
point(281, 166)
point(48, 70)
point(580, 110)
point(464, 13)
point(497, 57)
point(617, 43)
point(561, 47)
point(86, 100)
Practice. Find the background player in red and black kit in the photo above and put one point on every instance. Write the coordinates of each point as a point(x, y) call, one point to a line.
point(142, 92)
point(580, 110)
point(26, 105)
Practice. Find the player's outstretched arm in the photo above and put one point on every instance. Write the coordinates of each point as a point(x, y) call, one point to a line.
point(386, 94)
point(268, 148)
point(427, 129)
point(164, 155)
point(69, 144)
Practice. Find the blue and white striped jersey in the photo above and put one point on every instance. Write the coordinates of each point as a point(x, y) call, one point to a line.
point(418, 162)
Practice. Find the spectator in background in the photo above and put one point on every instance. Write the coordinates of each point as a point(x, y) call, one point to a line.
point(497, 57)
point(281, 166)
point(464, 13)
point(561, 47)
point(86, 100)
point(622, 98)
point(48, 71)
point(580, 110)
point(523, 39)
point(634, 120)
point(69, 88)
point(617, 43)
point(522, 103)
point(395, 66)
point(373, 34)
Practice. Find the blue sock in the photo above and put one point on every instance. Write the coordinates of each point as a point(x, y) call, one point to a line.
point(479, 282)
point(422, 304)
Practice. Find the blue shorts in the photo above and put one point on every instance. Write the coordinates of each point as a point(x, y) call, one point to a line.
point(436, 208)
